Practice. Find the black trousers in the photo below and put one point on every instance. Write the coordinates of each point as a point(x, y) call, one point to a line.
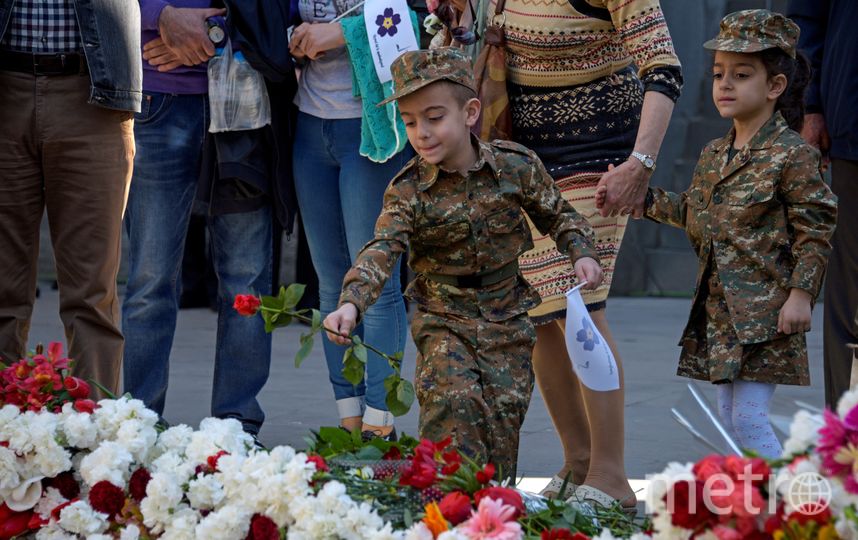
point(840, 326)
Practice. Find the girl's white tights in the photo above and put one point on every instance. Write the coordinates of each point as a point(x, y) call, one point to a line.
point(744, 410)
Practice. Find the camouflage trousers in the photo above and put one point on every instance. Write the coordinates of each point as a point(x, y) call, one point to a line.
point(474, 381)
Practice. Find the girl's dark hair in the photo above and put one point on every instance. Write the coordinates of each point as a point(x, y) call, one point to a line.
point(797, 72)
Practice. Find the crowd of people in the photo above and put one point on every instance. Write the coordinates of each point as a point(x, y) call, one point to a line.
point(105, 112)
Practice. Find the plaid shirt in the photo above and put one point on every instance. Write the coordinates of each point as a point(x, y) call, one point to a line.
point(42, 26)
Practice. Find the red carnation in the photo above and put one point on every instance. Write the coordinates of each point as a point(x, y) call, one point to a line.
point(686, 504)
point(137, 484)
point(508, 496)
point(246, 304)
point(319, 462)
point(212, 460)
point(484, 476)
point(77, 388)
point(65, 484)
point(107, 498)
point(85, 406)
point(455, 507)
point(706, 467)
point(262, 528)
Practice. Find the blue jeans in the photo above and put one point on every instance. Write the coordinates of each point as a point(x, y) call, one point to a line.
point(340, 195)
point(169, 134)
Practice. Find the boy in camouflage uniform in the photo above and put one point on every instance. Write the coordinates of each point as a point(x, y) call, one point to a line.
point(760, 218)
point(458, 206)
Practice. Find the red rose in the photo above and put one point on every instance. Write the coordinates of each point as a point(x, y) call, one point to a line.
point(455, 507)
point(77, 388)
point(484, 476)
point(107, 498)
point(246, 304)
point(319, 461)
point(85, 406)
point(137, 485)
point(508, 496)
point(65, 484)
point(706, 467)
point(687, 505)
point(262, 528)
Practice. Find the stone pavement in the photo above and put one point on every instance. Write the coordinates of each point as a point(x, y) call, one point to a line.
point(298, 400)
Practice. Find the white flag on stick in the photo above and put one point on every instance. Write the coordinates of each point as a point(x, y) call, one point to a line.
point(591, 357)
point(389, 30)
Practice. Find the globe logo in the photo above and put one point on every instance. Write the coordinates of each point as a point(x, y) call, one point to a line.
point(809, 493)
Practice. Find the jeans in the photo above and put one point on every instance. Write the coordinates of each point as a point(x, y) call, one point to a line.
point(169, 132)
point(340, 196)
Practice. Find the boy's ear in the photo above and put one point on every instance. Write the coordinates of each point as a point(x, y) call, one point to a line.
point(472, 111)
point(777, 86)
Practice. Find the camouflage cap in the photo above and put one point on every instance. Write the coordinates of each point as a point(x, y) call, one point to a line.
point(754, 30)
point(413, 70)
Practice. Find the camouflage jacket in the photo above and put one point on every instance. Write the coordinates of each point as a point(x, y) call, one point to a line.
point(467, 225)
point(765, 217)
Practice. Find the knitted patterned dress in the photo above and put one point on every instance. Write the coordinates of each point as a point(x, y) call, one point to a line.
point(576, 101)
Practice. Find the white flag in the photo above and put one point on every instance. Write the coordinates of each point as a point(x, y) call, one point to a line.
point(389, 30)
point(591, 357)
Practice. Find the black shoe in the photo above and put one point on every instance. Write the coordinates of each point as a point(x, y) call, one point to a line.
point(257, 443)
point(370, 435)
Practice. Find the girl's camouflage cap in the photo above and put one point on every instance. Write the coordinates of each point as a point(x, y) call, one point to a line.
point(754, 30)
point(413, 70)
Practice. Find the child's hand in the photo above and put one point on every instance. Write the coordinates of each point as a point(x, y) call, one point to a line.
point(342, 321)
point(587, 269)
point(795, 313)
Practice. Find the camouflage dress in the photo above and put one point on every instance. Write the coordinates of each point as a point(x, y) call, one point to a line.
point(760, 224)
point(474, 378)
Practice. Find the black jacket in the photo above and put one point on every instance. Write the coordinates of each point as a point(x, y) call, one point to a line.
point(829, 38)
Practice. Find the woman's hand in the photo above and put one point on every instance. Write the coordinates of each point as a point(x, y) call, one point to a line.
point(342, 321)
point(587, 269)
point(312, 40)
point(622, 190)
point(795, 313)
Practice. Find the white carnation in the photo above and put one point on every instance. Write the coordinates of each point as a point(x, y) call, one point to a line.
point(138, 437)
point(79, 429)
point(110, 461)
point(9, 476)
point(205, 492)
point(847, 402)
point(163, 495)
point(51, 498)
point(175, 439)
point(182, 526)
point(79, 517)
point(216, 434)
point(803, 433)
point(227, 523)
point(130, 532)
point(419, 531)
point(52, 531)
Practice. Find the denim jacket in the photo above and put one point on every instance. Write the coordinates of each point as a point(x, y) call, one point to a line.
point(110, 31)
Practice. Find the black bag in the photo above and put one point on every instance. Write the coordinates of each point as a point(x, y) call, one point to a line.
point(258, 29)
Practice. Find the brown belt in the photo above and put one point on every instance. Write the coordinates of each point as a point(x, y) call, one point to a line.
point(43, 64)
point(476, 281)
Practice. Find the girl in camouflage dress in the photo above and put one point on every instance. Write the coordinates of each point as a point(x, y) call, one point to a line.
point(760, 218)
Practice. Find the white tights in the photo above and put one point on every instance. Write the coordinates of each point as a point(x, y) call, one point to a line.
point(744, 410)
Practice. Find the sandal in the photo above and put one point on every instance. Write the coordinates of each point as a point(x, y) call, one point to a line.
point(552, 490)
point(589, 496)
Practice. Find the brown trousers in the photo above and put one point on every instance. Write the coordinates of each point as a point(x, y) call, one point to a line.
point(60, 154)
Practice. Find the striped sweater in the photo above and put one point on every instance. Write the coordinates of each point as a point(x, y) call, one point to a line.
point(559, 43)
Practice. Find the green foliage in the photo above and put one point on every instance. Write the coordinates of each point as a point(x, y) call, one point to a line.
point(279, 311)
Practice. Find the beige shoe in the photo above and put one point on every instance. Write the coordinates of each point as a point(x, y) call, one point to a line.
point(552, 490)
point(589, 495)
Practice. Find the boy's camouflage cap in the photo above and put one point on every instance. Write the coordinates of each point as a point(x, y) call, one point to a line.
point(754, 30)
point(413, 70)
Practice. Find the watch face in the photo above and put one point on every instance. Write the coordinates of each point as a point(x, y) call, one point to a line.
point(216, 34)
point(648, 162)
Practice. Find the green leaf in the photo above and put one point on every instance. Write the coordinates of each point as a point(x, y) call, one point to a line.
point(337, 439)
point(400, 398)
point(306, 347)
point(353, 368)
point(317, 320)
point(405, 393)
point(357, 438)
point(360, 352)
point(408, 518)
point(293, 295)
point(391, 381)
point(369, 453)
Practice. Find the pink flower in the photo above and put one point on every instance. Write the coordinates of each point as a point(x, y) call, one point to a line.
point(726, 533)
point(493, 520)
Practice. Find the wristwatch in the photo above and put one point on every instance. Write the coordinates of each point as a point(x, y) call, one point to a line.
point(215, 32)
point(647, 160)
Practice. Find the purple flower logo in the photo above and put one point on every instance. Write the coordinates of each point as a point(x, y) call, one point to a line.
point(587, 336)
point(387, 22)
